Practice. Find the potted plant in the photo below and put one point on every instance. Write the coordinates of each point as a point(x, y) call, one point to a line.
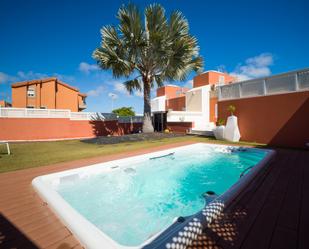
point(231, 109)
point(231, 132)
point(219, 130)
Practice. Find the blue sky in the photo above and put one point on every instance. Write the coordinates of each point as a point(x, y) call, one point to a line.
point(250, 39)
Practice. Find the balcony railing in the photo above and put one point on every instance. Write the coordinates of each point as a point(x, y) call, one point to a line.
point(9, 112)
point(282, 83)
point(82, 106)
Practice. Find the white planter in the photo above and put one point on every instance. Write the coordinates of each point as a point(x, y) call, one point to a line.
point(231, 132)
point(219, 132)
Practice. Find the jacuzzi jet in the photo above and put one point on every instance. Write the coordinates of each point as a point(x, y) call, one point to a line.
point(129, 171)
point(210, 193)
point(180, 219)
point(209, 196)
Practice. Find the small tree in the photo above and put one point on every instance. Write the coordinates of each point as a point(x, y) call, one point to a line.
point(124, 111)
point(231, 109)
point(150, 48)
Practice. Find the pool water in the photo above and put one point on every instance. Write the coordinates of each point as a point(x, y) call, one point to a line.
point(132, 203)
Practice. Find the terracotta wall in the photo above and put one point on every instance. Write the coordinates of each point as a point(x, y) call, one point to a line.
point(279, 120)
point(171, 91)
point(48, 94)
point(60, 128)
point(210, 78)
point(19, 99)
point(179, 127)
point(176, 104)
point(66, 98)
point(212, 109)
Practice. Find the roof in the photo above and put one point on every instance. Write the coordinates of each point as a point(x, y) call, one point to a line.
point(82, 94)
point(45, 80)
point(214, 71)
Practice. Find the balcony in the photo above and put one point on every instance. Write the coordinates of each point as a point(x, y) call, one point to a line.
point(82, 106)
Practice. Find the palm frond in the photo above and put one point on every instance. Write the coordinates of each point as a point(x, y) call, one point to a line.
point(132, 85)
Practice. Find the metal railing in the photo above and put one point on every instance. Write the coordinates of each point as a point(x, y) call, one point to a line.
point(282, 83)
point(11, 112)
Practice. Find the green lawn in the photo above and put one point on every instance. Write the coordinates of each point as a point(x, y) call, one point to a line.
point(35, 154)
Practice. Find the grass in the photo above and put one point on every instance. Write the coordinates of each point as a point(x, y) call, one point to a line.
point(36, 154)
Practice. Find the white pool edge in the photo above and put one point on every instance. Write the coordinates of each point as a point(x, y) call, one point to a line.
point(84, 231)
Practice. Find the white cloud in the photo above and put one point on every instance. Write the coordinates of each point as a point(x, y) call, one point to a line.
point(254, 67)
point(119, 87)
point(139, 94)
point(5, 78)
point(112, 95)
point(30, 75)
point(188, 84)
point(96, 92)
point(87, 68)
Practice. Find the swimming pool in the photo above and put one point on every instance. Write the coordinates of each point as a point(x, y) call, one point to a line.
point(129, 202)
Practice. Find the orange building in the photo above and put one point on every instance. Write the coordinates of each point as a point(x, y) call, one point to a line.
point(198, 105)
point(4, 103)
point(212, 77)
point(48, 93)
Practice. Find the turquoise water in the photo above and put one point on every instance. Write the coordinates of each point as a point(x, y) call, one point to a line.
point(131, 204)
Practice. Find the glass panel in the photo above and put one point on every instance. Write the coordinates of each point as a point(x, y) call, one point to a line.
point(252, 88)
point(284, 83)
point(230, 91)
point(303, 80)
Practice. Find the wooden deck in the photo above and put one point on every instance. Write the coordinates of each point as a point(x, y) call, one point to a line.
point(272, 213)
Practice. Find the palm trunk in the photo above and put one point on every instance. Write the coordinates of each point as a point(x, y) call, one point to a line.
point(147, 121)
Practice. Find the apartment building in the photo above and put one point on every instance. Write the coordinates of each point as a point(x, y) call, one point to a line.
point(48, 93)
point(4, 103)
point(197, 105)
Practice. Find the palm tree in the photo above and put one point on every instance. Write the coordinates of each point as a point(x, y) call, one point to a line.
point(149, 52)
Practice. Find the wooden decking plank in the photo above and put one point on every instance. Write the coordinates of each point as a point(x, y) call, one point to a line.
point(284, 238)
point(260, 234)
point(253, 203)
point(289, 212)
point(303, 229)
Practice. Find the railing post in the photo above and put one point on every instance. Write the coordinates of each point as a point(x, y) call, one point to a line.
point(219, 92)
point(239, 90)
point(26, 112)
point(296, 82)
point(264, 87)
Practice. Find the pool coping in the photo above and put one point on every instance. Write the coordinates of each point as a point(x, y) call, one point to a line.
point(95, 238)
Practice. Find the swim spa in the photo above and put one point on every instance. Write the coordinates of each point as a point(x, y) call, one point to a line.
point(137, 201)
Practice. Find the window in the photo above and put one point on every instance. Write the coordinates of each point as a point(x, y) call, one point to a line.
point(221, 80)
point(31, 92)
point(178, 93)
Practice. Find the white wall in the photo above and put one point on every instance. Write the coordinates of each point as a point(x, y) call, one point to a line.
point(158, 104)
point(197, 109)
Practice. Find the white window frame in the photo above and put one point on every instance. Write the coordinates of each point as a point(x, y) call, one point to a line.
point(31, 92)
point(221, 80)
